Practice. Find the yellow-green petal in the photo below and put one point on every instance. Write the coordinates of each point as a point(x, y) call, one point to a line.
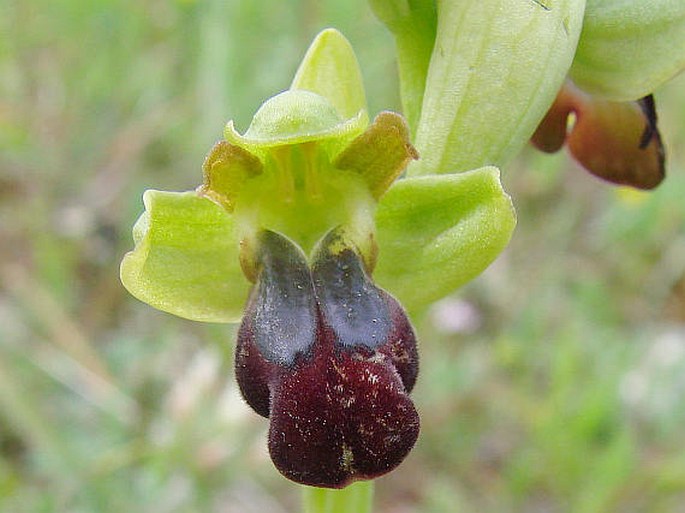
point(330, 69)
point(380, 154)
point(185, 261)
point(225, 170)
point(628, 48)
point(435, 233)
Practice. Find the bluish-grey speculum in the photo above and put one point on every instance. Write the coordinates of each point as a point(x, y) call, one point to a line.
point(355, 309)
point(284, 303)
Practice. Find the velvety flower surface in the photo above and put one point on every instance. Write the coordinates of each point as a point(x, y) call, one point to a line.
point(331, 359)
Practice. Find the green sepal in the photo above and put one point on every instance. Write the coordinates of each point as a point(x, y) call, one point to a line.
point(380, 154)
point(495, 70)
point(413, 23)
point(185, 261)
point(326, 103)
point(330, 69)
point(436, 233)
point(628, 48)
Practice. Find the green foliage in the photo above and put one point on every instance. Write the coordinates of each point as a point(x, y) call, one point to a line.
point(491, 79)
point(413, 24)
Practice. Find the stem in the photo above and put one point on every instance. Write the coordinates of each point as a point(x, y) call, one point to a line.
point(356, 498)
point(414, 49)
point(414, 25)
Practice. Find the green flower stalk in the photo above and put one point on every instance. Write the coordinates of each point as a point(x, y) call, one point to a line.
point(302, 231)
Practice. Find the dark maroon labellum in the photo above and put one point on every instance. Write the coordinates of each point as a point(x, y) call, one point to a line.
point(330, 358)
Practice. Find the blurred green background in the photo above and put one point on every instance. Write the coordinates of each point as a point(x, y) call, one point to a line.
point(553, 383)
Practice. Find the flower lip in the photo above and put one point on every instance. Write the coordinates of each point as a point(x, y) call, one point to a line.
point(338, 405)
point(616, 141)
point(292, 117)
point(340, 418)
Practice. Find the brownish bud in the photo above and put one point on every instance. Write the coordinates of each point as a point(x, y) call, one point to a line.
point(616, 141)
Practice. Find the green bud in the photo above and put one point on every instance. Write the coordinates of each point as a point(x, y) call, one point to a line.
point(496, 67)
point(629, 47)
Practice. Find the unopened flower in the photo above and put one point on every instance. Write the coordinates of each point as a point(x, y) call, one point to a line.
point(605, 112)
point(479, 75)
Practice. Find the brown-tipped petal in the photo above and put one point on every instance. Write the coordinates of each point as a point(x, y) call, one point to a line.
point(225, 170)
point(550, 134)
point(381, 153)
point(619, 142)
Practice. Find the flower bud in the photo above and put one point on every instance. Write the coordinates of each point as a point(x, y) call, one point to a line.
point(616, 141)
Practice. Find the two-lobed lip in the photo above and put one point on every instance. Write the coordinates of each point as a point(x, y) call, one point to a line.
point(330, 359)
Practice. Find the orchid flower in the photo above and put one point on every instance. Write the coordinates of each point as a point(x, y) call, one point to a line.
point(302, 231)
point(316, 228)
